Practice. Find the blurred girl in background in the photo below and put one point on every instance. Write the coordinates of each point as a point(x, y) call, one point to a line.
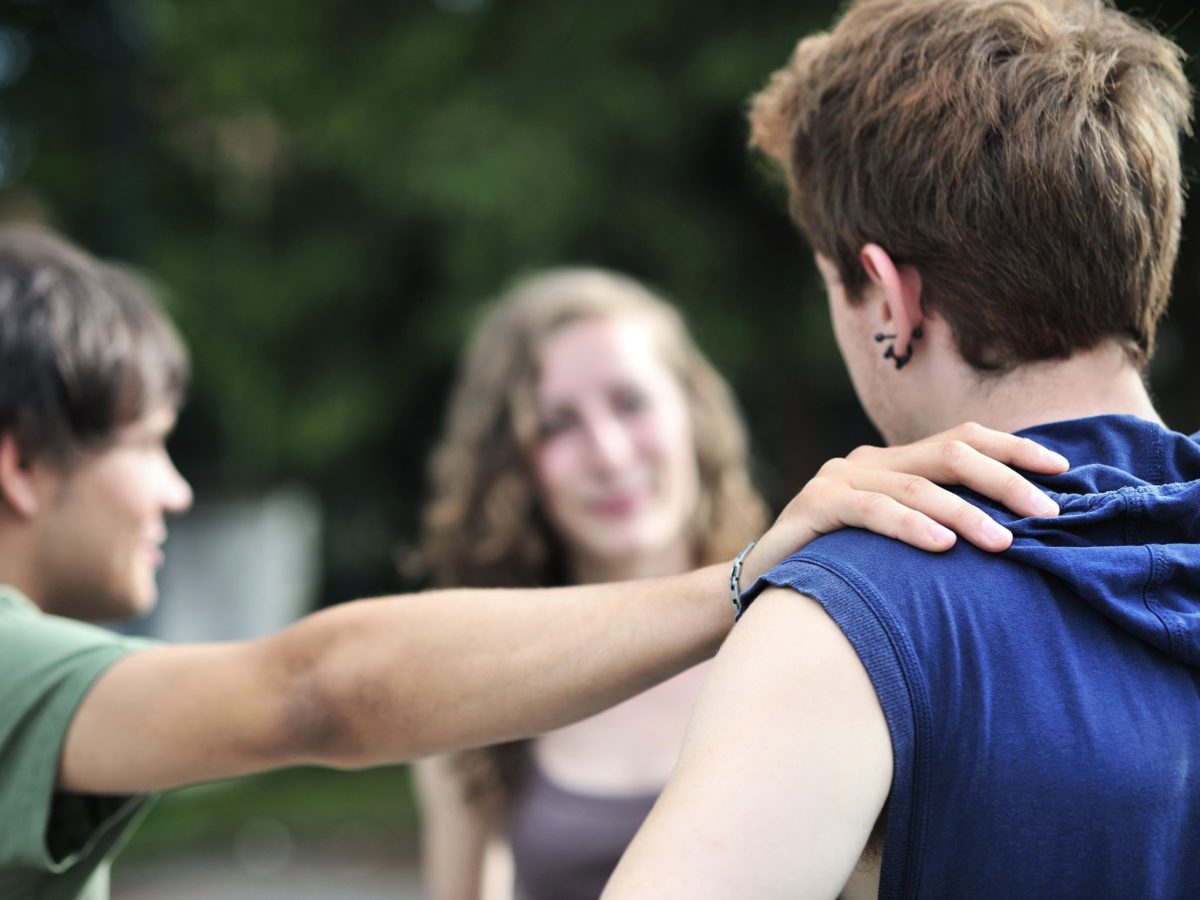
point(588, 440)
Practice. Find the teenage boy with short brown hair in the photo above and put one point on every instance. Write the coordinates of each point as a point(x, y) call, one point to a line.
point(992, 189)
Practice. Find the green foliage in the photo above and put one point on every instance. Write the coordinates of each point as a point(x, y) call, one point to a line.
point(307, 802)
point(330, 190)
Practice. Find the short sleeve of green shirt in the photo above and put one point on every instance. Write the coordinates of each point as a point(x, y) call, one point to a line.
point(50, 844)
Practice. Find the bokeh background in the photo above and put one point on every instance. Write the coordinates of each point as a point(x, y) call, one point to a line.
point(326, 192)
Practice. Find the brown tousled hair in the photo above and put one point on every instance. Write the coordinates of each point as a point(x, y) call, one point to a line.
point(483, 525)
point(1022, 155)
point(84, 347)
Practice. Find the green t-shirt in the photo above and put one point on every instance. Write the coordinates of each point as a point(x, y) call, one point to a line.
point(53, 846)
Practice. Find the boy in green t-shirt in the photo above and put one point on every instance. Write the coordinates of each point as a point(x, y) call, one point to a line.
point(47, 664)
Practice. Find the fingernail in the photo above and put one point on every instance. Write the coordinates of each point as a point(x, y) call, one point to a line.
point(1057, 458)
point(941, 535)
point(993, 531)
point(1043, 504)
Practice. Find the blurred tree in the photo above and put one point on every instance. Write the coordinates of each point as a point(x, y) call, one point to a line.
point(327, 192)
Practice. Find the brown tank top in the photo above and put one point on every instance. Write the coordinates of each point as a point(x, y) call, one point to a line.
point(565, 844)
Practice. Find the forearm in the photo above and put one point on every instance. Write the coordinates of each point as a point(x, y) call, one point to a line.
point(383, 680)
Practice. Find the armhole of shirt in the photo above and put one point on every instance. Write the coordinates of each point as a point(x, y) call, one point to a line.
point(891, 663)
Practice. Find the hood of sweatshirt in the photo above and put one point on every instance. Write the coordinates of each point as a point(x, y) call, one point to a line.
point(1127, 538)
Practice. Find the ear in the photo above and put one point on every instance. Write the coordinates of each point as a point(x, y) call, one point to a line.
point(17, 478)
point(900, 293)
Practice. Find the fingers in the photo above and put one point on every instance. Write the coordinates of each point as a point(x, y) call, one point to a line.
point(789, 534)
point(1006, 448)
point(918, 512)
point(900, 505)
point(953, 461)
point(894, 491)
point(882, 514)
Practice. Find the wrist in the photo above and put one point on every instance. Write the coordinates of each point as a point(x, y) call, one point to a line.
point(707, 600)
point(735, 577)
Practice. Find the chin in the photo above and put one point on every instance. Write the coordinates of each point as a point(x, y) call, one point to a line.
point(142, 606)
point(144, 601)
point(636, 545)
point(136, 600)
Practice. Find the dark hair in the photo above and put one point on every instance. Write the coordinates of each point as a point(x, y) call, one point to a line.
point(84, 349)
point(1022, 155)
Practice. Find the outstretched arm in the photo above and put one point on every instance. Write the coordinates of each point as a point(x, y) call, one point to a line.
point(381, 681)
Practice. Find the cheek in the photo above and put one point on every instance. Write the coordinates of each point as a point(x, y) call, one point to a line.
point(554, 469)
point(124, 487)
point(669, 439)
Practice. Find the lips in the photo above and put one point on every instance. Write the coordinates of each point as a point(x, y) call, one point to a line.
point(152, 548)
point(620, 504)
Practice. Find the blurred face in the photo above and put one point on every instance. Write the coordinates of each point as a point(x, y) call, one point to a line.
point(615, 461)
point(103, 523)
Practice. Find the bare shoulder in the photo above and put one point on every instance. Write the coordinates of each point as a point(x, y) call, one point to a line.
point(784, 773)
point(788, 669)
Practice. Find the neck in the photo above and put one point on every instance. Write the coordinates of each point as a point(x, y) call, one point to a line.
point(17, 567)
point(670, 560)
point(1100, 381)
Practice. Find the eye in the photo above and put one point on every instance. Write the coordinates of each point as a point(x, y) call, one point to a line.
point(557, 423)
point(630, 401)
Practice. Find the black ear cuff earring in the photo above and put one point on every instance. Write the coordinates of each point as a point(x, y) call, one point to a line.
point(890, 352)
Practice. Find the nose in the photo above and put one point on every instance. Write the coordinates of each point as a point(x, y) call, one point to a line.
point(610, 443)
point(176, 492)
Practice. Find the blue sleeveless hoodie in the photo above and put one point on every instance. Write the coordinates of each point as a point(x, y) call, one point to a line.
point(1043, 704)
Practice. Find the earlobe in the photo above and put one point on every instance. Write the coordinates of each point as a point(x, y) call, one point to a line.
point(16, 478)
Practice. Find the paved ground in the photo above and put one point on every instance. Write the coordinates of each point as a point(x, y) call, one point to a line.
point(301, 880)
point(282, 877)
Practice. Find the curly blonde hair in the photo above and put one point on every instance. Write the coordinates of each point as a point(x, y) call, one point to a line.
point(483, 525)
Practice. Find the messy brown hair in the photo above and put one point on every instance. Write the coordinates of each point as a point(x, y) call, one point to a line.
point(1022, 155)
point(84, 348)
point(483, 525)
